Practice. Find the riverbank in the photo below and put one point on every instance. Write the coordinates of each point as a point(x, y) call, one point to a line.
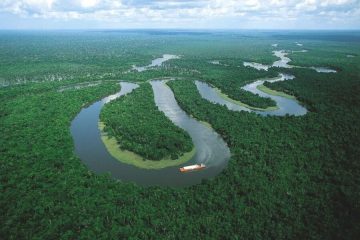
point(274, 93)
point(132, 158)
point(227, 98)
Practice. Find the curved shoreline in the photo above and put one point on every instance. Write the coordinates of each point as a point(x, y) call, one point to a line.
point(129, 157)
point(209, 147)
point(98, 155)
point(270, 91)
point(285, 104)
point(227, 98)
point(284, 61)
point(137, 160)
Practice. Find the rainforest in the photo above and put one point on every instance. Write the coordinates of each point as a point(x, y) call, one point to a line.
point(95, 126)
point(143, 128)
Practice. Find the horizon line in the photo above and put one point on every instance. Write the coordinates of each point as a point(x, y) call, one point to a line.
point(179, 29)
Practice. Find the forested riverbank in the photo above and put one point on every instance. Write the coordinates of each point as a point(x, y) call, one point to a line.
point(140, 127)
point(331, 157)
point(288, 177)
point(283, 167)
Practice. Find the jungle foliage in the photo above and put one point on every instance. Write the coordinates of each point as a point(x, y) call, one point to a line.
point(109, 55)
point(139, 126)
point(288, 177)
point(292, 161)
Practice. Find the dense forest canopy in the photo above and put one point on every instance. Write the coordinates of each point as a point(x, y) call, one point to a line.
point(140, 127)
point(288, 177)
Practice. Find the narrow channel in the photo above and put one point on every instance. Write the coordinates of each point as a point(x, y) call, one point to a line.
point(285, 105)
point(156, 62)
point(283, 62)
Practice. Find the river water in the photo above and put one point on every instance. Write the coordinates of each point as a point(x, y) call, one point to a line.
point(285, 105)
point(283, 62)
point(156, 62)
point(210, 147)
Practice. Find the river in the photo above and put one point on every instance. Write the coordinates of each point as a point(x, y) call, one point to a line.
point(210, 147)
point(285, 105)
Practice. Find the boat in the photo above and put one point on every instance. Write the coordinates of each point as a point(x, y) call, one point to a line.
point(195, 167)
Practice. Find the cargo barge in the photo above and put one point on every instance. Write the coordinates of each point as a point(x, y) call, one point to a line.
point(195, 167)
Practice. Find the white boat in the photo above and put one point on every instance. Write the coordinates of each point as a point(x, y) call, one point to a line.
point(195, 167)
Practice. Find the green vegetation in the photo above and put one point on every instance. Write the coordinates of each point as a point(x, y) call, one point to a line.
point(288, 178)
point(109, 55)
point(267, 90)
point(224, 96)
point(132, 158)
point(140, 127)
point(230, 80)
point(250, 99)
point(289, 162)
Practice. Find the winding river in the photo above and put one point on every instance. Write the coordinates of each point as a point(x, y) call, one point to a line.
point(210, 147)
point(156, 62)
point(285, 105)
point(283, 62)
